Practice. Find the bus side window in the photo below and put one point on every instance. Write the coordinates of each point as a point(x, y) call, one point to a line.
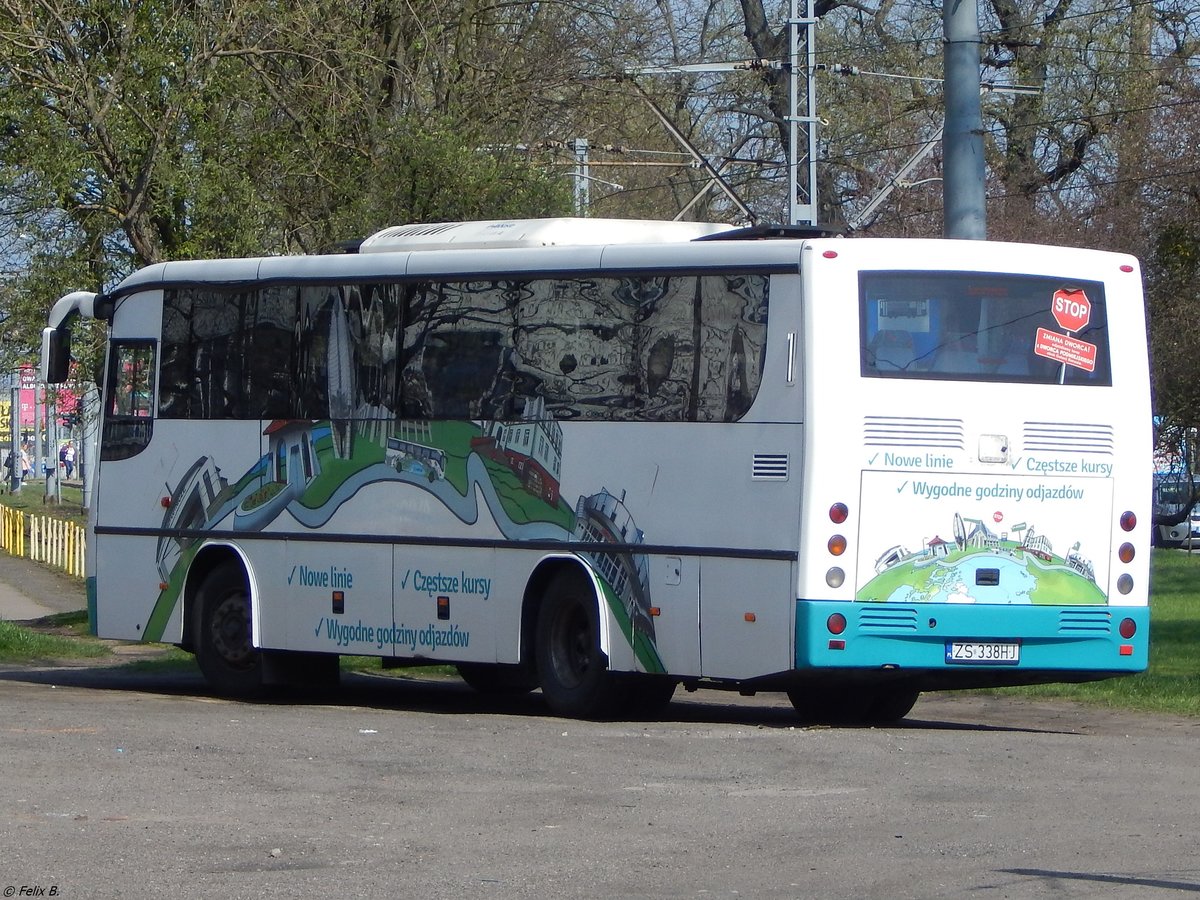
point(131, 379)
point(129, 405)
point(467, 372)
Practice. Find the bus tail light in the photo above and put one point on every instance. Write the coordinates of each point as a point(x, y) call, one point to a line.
point(1125, 583)
point(836, 623)
point(1127, 628)
point(838, 513)
point(1126, 553)
point(1128, 521)
point(835, 577)
point(837, 545)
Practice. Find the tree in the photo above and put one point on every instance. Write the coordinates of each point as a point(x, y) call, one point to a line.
point(136, 132)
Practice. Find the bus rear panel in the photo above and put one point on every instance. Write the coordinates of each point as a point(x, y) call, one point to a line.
point(979, 466)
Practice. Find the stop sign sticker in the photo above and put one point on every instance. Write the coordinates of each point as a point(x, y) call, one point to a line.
point(1072, 310)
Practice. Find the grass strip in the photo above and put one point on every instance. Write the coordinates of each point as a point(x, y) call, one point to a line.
point(19, 643)
point(1172, 682)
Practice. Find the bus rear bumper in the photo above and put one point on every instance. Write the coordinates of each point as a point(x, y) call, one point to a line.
point(974, 638)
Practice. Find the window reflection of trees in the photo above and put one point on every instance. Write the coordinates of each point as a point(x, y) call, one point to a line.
point(663, 348)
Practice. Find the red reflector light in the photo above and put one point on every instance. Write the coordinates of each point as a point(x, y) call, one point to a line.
point(1126, 267)
point(838, 513)
point(1127, 650)
point(1125, 553)
point(837, 645)
point(1128, 521)
point(165, 502)
point(837, 545)
point(1127, 628)
point(836, 623)
point(830, 254)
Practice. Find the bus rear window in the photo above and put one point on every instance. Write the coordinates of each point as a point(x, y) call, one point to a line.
point(971, 326)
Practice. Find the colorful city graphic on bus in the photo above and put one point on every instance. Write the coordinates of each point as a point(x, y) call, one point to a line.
point(313, 468)
point(982, 563)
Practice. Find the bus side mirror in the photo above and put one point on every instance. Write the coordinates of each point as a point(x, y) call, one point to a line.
point(56, 355)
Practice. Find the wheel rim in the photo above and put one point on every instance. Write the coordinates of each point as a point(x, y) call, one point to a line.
point(572, 644)
point(230, 632)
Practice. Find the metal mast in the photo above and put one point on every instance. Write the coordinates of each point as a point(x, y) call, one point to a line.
point(963, 197)
point(802, 213)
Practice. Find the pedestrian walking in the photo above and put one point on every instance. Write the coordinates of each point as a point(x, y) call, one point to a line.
point(67, 457)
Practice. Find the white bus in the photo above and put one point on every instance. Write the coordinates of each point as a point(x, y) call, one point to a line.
point(608, 458)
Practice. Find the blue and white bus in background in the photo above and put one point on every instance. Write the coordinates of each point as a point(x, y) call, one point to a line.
point(1173, 493)
point(607, 458)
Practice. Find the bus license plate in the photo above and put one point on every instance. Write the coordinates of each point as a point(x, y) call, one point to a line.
point(995, 653)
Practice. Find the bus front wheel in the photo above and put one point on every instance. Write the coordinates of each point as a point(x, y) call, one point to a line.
point(572, 668)
point(647, 696)
point(225, 650)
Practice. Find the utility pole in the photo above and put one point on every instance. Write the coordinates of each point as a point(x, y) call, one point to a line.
point(53, 477)
point(37, 427)
point(802, 213)
point(963, 196)
point(802, 170)
point(14, 449)
point(583, 192)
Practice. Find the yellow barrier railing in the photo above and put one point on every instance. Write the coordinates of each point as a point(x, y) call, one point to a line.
point(13, 539)
point(57, 543)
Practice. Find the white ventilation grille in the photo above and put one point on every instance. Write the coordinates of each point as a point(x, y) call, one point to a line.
point(912, 431)
point(1068, 437)
point(770, 466)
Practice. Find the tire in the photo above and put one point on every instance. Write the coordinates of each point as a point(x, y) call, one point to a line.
point(891, 705)
point(301, 673)
point(224, 649)
point(853, 705)
point(824, 705)
point(647, 696)
point(572, 668)
point(498, 679)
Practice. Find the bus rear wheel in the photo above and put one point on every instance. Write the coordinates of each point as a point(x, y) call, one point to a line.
point(829, 705)
point(855, 705)
point(891, 705)
point(572, 668)
point(496, 678)
point(224, 644)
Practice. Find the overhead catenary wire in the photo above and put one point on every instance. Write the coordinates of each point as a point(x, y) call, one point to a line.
point(1173, 62)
